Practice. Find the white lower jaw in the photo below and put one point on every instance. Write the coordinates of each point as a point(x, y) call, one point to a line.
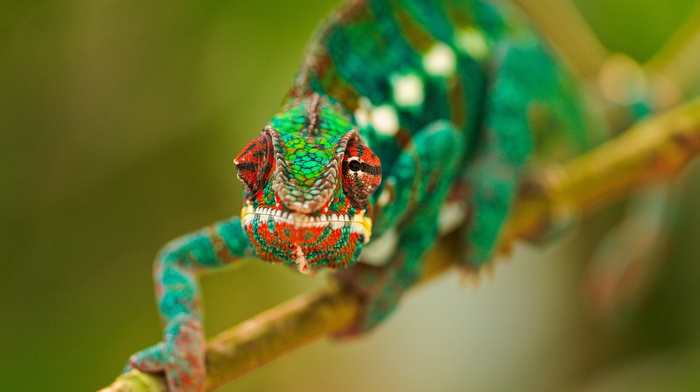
point(359, 223)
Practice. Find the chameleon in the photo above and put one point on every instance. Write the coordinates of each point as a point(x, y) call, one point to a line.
point(407, 120)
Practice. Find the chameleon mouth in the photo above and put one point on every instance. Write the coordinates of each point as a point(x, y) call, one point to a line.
point(359, 223)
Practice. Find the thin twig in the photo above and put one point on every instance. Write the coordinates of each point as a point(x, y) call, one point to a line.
point(677, 61)
point(565, 28)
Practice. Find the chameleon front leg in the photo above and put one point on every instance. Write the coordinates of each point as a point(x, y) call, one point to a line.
point(415, 191)
point(181, 354)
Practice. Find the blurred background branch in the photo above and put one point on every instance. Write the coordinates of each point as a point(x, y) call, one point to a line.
point(678, 58)
point(564, 26)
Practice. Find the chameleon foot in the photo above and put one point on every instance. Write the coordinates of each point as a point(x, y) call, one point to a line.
point(379, 291)
point(180, 357)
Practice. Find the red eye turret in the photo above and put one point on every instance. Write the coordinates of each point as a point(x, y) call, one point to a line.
point(361, 173)
point(255, 164)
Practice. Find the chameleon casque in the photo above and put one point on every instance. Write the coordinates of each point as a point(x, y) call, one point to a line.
point(408, 119)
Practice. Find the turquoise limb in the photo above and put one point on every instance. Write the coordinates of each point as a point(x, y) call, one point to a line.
point(495, 174)
point(422, 177)
point(424, 165)
point(181, 354)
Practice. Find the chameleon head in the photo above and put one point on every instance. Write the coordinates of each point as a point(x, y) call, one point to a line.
point(308, 180)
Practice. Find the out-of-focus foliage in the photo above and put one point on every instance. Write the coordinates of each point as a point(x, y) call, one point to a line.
point(118, 124)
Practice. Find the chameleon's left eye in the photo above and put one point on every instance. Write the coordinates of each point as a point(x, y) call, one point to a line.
point(361, 173)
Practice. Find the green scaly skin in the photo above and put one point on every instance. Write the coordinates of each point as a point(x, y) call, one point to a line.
point(453, 99)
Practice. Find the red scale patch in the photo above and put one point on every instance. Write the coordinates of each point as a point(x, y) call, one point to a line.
point(255, 163)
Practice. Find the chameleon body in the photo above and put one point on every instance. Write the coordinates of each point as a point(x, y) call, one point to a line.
point(408, 119)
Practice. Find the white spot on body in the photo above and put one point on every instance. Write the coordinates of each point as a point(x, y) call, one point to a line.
point(378, 252)
point(451, 216)
point(440, 60)
point(365, 102)
point(362, 117)
point(384, 120)
point(407, 90)
point(384, 198)
point(362, 113)
point(473, 42)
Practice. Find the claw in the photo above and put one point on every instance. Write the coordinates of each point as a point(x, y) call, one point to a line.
point(181, 356)
point(149, 360)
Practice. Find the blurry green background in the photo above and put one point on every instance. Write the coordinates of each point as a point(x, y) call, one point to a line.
point(119, 121)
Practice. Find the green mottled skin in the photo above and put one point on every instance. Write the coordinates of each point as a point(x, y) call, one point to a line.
point(491, 100)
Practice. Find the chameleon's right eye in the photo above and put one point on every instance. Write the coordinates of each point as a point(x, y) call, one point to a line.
point(255, 164)
point(361, 173)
